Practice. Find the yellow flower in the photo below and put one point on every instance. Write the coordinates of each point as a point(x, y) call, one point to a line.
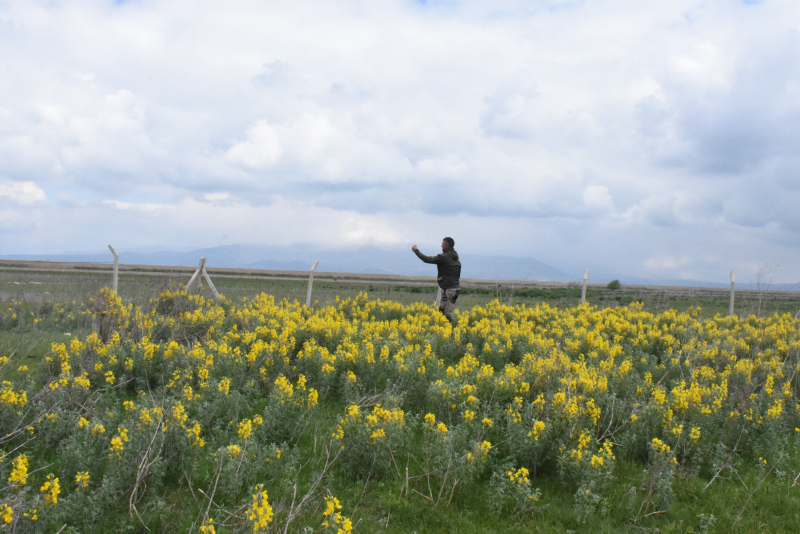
point(234, 451)
point(260, 511)
point(224, 385)
point(82, 381)
point(313, 398)
point(520, 477)
point(285, 390)
point(51, 489)
point(331, 505)
point(660, 447)
point(194, 434)
point(19, 470)
point(333, 518)
point(208, 526)
point(82, 479)
point(6, 513)
point(245, 429)
point(538, 428)
point(117, 442)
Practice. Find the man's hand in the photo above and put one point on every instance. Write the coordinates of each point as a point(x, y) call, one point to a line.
point(414, 248)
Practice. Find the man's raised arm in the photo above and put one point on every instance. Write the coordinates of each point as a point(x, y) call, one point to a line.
point(423, 257)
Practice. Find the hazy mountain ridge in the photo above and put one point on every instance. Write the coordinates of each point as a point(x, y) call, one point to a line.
point(367, 260)
point(371, 260)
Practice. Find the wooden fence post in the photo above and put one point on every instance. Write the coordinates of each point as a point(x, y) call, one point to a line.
point(438, 297)
point(116, 268)
point(196, 276)
point(733, 287)
point(195, 279)
point(210, 283)
point(310, 283)
point(583, 292)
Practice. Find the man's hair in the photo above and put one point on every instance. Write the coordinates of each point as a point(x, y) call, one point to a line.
point(449, 241)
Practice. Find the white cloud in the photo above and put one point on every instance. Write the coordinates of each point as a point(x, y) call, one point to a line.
point(125, 206)
point(598, 197)
point(111, 137)
point(260, 151)
point(449, 165)
point(22, 192)
point(216, 197)
point(666, 263)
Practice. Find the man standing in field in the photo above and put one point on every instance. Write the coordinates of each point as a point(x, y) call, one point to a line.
point(448, 270)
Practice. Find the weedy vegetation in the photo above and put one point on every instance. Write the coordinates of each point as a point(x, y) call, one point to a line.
point(176, 412)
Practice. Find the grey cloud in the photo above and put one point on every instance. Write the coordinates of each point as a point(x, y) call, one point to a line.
point(747, 211)
point(274, 74)
point(785, 172)
point(735, 127)
point(510, 107)
point(651, 117)
point(660, 211)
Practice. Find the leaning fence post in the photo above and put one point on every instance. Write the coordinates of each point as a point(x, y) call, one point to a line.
point(310, 283)
point(196, 276)
point(733, 287)
point(195, 279)
point(439, 297)
point(116, 268)
point(583, 291)
point(210, 283)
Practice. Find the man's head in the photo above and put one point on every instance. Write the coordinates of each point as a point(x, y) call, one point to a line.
point(448, 242)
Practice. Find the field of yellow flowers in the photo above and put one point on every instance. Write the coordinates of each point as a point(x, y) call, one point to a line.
point(191, 414)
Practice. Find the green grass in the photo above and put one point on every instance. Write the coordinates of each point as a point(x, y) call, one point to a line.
point(773, 507)
point(43, 286)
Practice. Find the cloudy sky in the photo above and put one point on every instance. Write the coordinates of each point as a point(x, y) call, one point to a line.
point(649, 139)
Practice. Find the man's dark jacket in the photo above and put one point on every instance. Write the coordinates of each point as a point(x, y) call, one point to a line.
point(448, 267)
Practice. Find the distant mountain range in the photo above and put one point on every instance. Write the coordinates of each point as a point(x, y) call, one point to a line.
point(366, 260)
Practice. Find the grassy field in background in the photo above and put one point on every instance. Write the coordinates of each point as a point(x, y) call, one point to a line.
point(30, 285)
point(43, 286)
